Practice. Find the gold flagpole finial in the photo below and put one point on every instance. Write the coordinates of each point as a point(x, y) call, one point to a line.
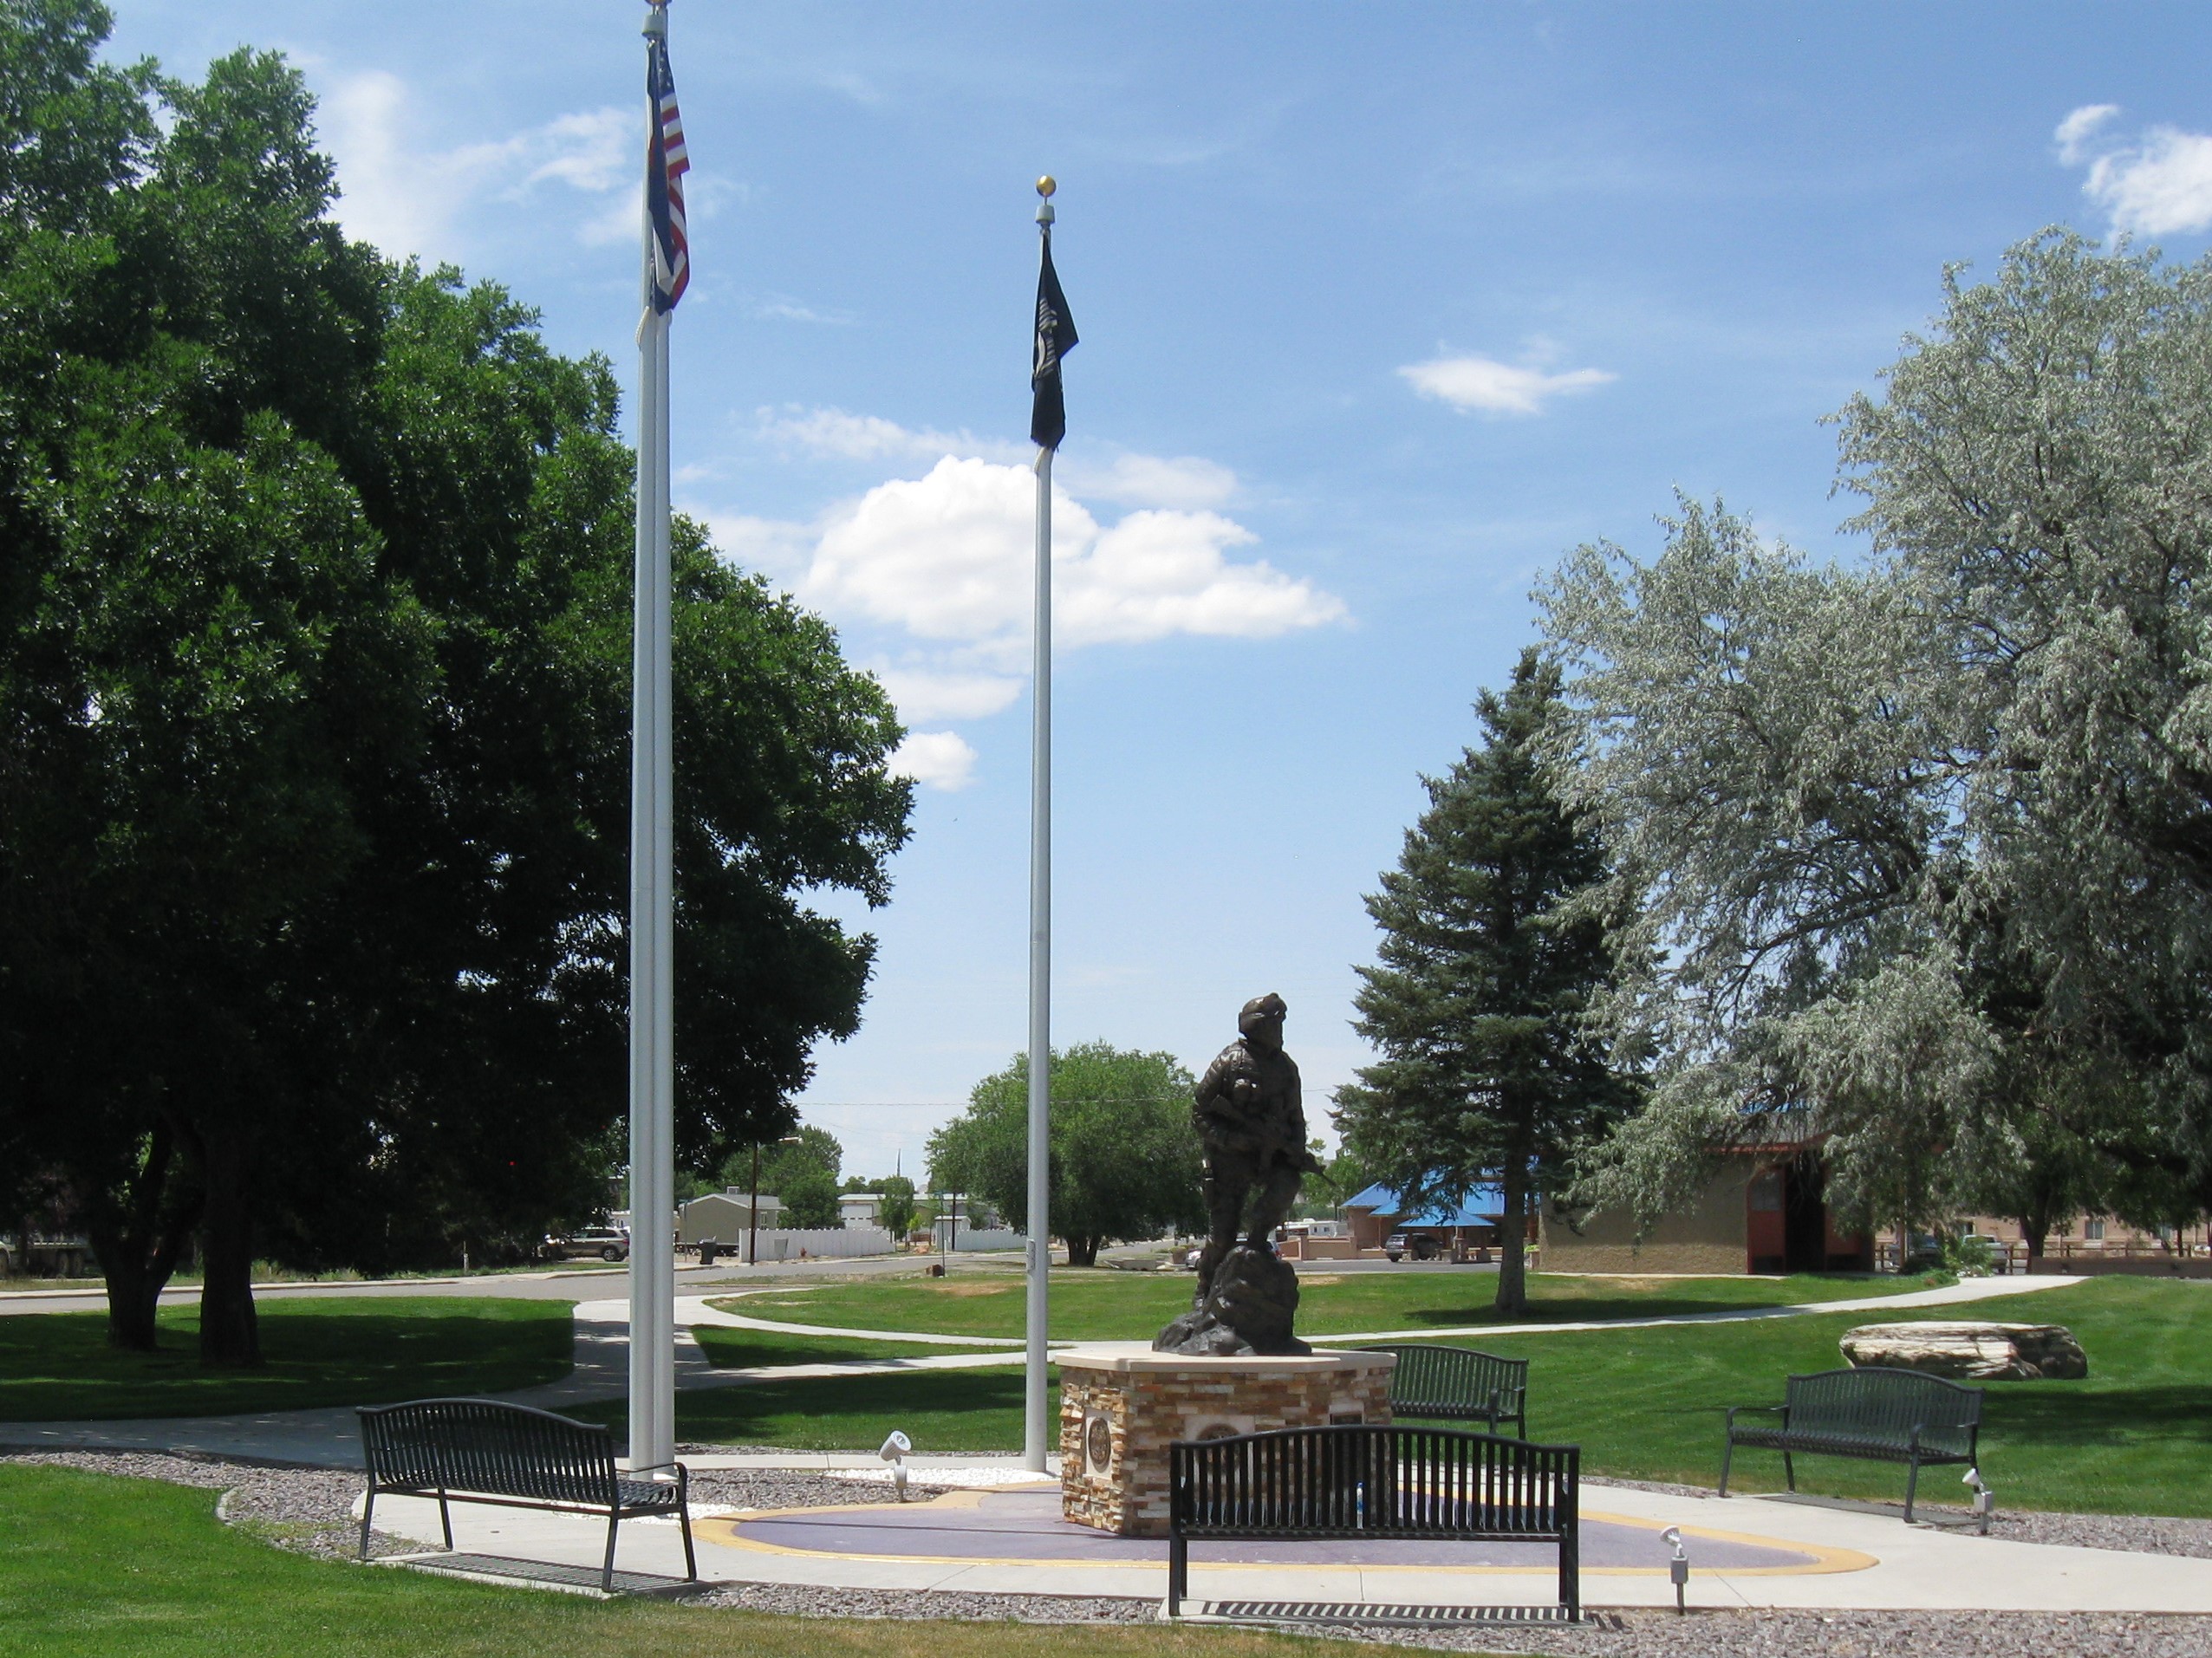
point(1046, 185)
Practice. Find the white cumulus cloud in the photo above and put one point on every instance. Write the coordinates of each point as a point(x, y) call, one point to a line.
point(944, 564)
point(1125, 479)
point(2075, 132)
point(1469, 382)
point(925, 694)
point(935, 760)
point(2157, 183)
point(409, 200)
point(870, 437)
point(1153, 481)
point(947, 557)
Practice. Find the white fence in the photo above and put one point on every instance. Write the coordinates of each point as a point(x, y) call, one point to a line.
point(830, 1243)
point(992, 1238)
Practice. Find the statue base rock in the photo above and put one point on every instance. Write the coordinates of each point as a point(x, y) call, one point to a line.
point(1971, 1352)
point(1248, 1311)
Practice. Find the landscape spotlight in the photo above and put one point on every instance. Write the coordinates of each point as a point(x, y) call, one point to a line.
point(894, 1452)
point(1677, 1568)
point(1985, 1499)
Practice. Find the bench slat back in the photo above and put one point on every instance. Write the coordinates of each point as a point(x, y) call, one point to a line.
point(1373, 1481)
point(1432, 1380)
point(483, 1445)
point(1880, 1403)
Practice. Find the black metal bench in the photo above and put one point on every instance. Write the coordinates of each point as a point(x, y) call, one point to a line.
point(482, 1451)
point(1457, 1384)
point(1394, 1482)
point(1885, 1414)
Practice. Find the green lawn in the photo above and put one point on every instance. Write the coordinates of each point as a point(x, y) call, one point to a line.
point(1103, 1305)
point(737, 1350)
point(95, 1567)
point(2136, 1437)
point(319, 1350)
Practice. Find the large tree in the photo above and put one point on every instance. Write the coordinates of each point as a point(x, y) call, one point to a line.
point(1490, 959)
point(314, 644)
point(1124, 1153)
point(1919, 841)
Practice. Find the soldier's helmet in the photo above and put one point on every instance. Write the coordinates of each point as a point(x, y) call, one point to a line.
point(1270, 1006)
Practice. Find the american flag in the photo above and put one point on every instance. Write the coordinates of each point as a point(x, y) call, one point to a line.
point(667, 163)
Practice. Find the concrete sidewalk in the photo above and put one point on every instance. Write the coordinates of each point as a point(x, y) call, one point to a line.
point(1862, 1559)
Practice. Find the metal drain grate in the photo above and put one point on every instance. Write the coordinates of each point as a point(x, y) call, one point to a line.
point(1403, 1614)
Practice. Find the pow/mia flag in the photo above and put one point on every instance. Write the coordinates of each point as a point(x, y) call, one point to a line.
point(1056, 336)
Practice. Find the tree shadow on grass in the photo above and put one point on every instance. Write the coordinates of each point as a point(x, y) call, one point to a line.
point(58, 1366)
point(2076, 1413)
point(940, 1410)
point(738, 1350)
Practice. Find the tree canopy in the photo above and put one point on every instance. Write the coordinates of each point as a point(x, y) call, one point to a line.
point(1124, 1155)
point(313, 664)
point(1922, 844)
point(1488, 968)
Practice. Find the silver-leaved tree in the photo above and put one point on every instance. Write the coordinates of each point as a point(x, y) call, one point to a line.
point(1922, 845)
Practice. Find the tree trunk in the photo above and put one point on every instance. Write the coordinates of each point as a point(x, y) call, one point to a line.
point(1512, 1244)
point(229, 1332)
point(1083, 1251)
point(138, 1240)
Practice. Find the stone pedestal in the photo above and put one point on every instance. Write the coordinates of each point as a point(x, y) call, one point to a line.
point(1121, 1408)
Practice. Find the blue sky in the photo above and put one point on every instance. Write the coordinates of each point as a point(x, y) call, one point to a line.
point(1382, 309)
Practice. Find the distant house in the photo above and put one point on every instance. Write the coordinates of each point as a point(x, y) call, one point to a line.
point(860, 1208)
point(725, 1217)
point(1475, 1222)
point(1764, 1210)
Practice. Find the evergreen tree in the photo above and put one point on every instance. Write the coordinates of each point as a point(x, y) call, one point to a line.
point(1487, 968)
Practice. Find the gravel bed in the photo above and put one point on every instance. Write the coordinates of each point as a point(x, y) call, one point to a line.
point(1832, 1635)
point(799, 1600)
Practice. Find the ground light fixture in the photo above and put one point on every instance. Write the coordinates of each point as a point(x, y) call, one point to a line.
point(1677, 1568)
point(1985, 1496)
point(894, 1451)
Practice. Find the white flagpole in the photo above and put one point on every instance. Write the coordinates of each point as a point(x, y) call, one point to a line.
point(651, 1099)
point(1034, 1420)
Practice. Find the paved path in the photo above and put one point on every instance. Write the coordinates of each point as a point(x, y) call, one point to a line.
point(1752, 1552)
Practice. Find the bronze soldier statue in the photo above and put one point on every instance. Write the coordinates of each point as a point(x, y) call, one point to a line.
point(1252, 1125)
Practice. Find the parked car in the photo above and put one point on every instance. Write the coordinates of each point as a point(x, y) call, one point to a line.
point(608, 1243)
point(1420, 1247)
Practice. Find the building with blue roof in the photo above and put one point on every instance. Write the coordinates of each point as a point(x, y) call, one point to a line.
point(1474, 1222)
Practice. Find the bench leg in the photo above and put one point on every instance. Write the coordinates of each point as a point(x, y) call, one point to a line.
point(445, 1518)
point(367, 1507)
point(1912, 1484)
point(1570, 1573)
point(606, 1568)
point(691, 1560)
point(1728, 1456)
point(1789, 1470)
point(1177, 1572)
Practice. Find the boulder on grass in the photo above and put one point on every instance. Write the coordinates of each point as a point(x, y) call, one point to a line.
point(1971, 1352)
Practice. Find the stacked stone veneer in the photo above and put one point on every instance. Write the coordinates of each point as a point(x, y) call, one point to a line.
point(1120, 1411)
